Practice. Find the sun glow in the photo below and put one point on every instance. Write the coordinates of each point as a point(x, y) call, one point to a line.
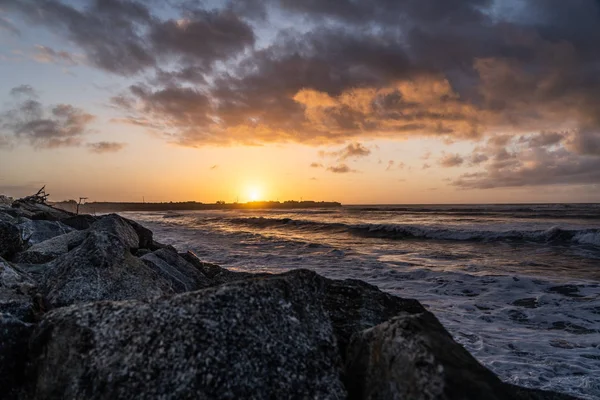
point(254, 194)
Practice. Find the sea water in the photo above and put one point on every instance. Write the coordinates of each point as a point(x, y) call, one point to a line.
point(517, 285)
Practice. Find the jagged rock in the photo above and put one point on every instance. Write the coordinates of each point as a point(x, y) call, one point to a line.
point(5, 200)
point(354, 305)
point(80, 222)
point(39, 231)
point(413, 357)
point(16, 290)
point(6, 215)
point(145, 235)
point(101, 268)
point(50, 249)
point(14, 338)
point(264, 338)
point(218, 275)
point(39, 211)
point(115, 225)
point(183, 276)
point(10, 240)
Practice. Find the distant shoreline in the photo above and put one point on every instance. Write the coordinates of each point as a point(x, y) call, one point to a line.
point(101, 207)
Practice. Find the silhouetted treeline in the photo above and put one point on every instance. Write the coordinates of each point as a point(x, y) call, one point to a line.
point(104, 207)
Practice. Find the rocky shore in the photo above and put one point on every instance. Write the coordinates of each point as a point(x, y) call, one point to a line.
point(95, 308)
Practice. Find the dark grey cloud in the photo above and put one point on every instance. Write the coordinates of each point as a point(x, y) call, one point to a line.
point(105, 147)
point(43, 127)
point(126, 37)
point(316, 165)
point(214, 167)
point(539, 168)
point(351, 151)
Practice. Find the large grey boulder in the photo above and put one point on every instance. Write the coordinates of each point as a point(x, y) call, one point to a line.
point(10, 239)
point(354, 306)
point(39, 211)
point(14, 338)
point(114, 224)
point(50, 249)
point(264, 338)
point(80, 222)
point(16, 292)
point(183, 276)
point(101, 268)
point(37, 231)
point(413, 357)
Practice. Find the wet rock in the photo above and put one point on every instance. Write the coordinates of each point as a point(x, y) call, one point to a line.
point(14, 337)
point(16, 290)
point(101, 268)
point(10, 240)
point(116, 225)
point(413, 357)
point(354, 305)
point(34, 232)
point(50, 249)
point(80, 222)
point(264, 338)
point(183, 276)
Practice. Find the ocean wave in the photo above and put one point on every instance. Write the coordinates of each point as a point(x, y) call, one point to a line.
point(399, 231)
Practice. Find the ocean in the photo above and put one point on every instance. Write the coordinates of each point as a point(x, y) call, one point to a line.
point(517, 285)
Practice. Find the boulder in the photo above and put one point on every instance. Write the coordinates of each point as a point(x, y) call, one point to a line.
point(39, 231)
point(412, 356)
point(14, 338)
point(264, 338)
point(50, 249)
point(354, 306)
point(101, 268)
point(5, 200)
point(80, 222)
point(16, 291)
point(145, 235)
point(114, 224)
point(183, 276)
point(11, 241)
point(39, 211)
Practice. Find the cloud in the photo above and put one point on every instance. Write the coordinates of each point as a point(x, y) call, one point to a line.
point(6, 25)
point(352, 150)
point(316, 165)
point(390, 165)
point(214, 167)
point(426, 166)
point(45, 54)
point(451, 160)
point(61, 125)
point(128, 37)
point(106, 147)
point(341, 169)
point(477, 158)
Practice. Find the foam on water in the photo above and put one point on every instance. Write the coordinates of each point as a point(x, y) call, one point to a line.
point(523, 297)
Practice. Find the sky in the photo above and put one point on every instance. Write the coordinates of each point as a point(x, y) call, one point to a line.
point(357, 101)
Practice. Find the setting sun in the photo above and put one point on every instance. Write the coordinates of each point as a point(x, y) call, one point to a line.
point(254, 194)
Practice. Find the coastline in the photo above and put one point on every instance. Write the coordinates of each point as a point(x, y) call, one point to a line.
point(85, 285)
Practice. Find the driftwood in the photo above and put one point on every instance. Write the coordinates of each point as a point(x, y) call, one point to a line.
point(39, 198)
